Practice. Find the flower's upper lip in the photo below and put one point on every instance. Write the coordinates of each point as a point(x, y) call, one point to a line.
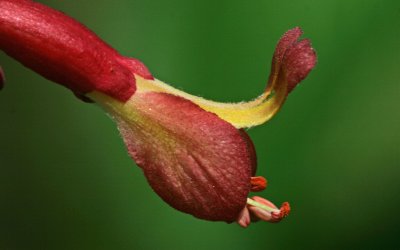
point(291, 63)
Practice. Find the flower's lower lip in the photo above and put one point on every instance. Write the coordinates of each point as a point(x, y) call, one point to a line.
point(195, 161)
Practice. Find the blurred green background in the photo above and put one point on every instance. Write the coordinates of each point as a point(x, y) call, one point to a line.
point(66, 181)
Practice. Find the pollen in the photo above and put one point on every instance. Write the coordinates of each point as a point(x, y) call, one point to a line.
point(258, 183)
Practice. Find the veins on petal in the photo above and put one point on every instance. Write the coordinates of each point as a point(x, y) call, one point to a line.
point(195, 161)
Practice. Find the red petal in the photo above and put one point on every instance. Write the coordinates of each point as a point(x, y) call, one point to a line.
point(196, 162)
point(284, 43)
point(244, 218)
point(296, 58)
point(251, 149)
point(299, 60)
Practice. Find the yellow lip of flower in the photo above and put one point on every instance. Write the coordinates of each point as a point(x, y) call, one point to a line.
point(240, 115)
point(300, 59)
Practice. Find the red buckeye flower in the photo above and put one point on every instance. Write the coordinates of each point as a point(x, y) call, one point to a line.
point(194, 152)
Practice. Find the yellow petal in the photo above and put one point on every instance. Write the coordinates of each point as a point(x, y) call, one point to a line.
point(291, 63)
point(240, 115)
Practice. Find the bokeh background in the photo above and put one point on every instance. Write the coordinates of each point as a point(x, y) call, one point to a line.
point(66, 181)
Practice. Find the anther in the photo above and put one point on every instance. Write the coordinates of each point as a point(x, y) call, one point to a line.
point(258, 183)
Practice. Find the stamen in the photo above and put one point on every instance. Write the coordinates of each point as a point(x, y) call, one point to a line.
point(283, 212)
point(265, 210)
point(258, 183)
point(262, 206)
point(285, 209)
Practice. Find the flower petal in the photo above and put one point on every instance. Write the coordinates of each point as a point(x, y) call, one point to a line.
point(251, 149)
point(291, 63)
point(244, 218)
point(299, 60)
point(197, 162)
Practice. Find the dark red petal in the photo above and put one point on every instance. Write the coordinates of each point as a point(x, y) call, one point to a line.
point(295, 58)
point(244, 218)
point(299, 60)
point(196, 162)
point(63, 50)
point(251, 149)
point(284, 43)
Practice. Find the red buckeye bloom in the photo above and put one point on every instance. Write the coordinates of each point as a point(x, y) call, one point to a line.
point(194, 152)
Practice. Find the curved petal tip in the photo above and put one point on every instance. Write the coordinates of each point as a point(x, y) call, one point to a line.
point(293, 59)
point(300, 59)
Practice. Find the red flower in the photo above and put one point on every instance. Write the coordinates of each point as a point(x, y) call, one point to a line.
point(193, 152)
